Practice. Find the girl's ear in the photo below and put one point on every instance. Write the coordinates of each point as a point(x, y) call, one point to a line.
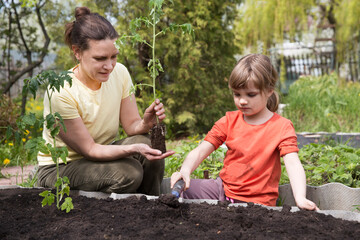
point(77, 52)
point(269, 92)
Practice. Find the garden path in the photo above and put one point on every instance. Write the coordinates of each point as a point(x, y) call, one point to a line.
point(13, 175)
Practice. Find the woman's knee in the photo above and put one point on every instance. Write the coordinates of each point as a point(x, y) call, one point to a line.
point(127, 178)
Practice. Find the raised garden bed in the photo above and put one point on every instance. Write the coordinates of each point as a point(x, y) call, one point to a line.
point(146, 217)
point(352, 139)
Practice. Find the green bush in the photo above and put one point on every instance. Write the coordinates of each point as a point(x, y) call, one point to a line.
point(323, 163)
point(323, 103)
point(326, 163)
point(213, 163)
point(9, 112)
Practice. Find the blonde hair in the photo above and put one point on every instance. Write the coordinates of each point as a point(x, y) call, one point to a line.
point(256, 68)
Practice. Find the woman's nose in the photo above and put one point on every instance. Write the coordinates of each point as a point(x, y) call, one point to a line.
point(108, 65)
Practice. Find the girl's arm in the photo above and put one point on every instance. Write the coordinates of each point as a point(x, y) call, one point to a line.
point(297, 178)
point(132, 122)
point(192, 161)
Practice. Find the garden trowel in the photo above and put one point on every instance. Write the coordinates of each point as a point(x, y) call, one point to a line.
point(178, 188)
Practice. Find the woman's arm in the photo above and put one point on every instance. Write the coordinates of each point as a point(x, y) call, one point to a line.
point(79, 139)
point(297, 178)
point(191, 162)
point(132, 122)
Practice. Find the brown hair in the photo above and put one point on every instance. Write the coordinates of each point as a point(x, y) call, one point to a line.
point(256, 68)
point(88, 26)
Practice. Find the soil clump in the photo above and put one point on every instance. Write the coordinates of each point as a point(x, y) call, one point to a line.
point(157, 137)
point(22, 217)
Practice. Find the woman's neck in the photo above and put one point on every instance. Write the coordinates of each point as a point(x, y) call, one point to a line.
point(86, 79)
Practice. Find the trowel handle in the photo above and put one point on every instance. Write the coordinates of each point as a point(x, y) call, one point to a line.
point(178, 188)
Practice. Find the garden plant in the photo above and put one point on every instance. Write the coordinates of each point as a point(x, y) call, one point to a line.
point(54, 122)
point(158, 132)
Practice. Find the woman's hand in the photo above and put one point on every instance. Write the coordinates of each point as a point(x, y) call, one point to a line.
point(155, 109)
point(152, 154)
point(305, 203)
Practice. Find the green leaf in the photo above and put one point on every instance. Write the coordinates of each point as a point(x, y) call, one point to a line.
point(55, 131)
point(67, 205)
point(66, 180)
point(9, 132)
point(50, 121)
point(58, 182)
point(60, 120)
point(35, 145)
point(63, 153)
point(65, 190)
point(29, 119)
point(49, 198)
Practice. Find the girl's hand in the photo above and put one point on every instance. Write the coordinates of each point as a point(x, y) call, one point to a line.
point(176, 176)
point(304, 203)
point(155, 109)
point(152, 154)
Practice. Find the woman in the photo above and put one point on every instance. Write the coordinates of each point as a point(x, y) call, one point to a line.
point(92, 108)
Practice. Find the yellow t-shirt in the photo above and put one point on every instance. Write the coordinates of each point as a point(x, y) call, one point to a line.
point(99, 110)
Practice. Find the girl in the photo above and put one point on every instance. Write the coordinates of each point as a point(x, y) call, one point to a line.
point(256, 138)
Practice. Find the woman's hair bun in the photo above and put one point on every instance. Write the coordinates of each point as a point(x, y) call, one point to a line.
point(81, 11)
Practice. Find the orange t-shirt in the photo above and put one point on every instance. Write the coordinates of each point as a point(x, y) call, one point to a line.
point(252, 168)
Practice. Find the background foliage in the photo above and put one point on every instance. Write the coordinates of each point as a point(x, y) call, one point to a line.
point(194, 83)
point(316, 104)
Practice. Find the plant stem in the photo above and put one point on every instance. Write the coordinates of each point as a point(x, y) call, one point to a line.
point(57, 159)
point(153, 57)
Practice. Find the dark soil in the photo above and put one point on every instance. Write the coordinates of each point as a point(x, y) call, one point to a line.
point(157, 136)
point(22, 217)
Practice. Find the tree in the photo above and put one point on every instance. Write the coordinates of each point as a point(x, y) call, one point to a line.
point(272, 21)
point(346, 13)
point(21, 36)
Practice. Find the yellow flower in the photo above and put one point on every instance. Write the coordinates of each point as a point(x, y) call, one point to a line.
point(24, 139)
point(27, 132)
point(29, 137)
point(38, 108)
point(6, 161)
point(11, 144)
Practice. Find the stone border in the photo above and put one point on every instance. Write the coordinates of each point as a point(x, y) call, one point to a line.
point(305, 138)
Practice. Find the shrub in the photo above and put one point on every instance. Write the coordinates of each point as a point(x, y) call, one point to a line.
point(323, 163)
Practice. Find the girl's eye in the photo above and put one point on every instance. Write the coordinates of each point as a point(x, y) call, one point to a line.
point(236, 94)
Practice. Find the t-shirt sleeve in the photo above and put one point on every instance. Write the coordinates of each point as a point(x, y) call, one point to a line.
point(288, 142)
point(64, 104)
point(126, 81)
point(218, 133)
